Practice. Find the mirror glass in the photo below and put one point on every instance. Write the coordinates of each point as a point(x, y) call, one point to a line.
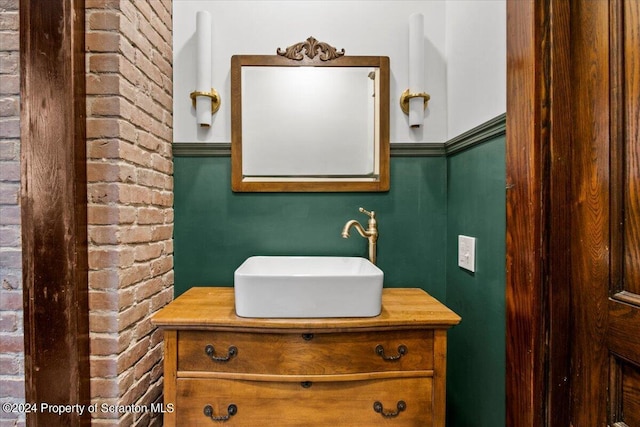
point(310, 127)
point(307, 122)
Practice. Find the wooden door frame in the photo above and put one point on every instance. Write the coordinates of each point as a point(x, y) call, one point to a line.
point(54, 208)
point(538, 159)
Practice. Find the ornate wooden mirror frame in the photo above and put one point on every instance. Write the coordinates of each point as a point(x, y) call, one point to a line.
point(312, 53)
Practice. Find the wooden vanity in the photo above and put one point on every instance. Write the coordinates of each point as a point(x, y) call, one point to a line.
point(385, 370)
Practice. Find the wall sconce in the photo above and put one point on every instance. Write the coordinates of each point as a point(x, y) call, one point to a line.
point(204, 99)
point(414, 100)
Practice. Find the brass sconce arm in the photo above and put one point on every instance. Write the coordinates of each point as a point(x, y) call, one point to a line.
point(406, 96)
point(213, 94)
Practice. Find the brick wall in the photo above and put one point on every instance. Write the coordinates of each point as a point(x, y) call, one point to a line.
point(11, 326)
point(130, 193)
point(130, 213)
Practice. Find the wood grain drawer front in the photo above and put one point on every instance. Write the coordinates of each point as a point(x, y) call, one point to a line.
point(305, 354)
point(344, 404)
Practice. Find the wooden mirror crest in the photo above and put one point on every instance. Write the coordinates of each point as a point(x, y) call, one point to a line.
point(312, 48)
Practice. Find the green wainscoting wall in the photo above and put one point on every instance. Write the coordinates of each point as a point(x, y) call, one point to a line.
point(432, 200)
point(476, 354)
point(216, 229)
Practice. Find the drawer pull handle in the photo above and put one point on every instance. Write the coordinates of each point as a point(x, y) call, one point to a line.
point(306, 384)
point(307, 337)
point(402, 350)
point(211, 352)
point(231, 411)
point(377, 406)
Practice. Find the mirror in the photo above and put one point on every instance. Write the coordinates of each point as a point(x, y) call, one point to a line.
point(312, 121)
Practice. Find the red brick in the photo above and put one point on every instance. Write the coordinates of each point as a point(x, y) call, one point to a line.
point(134, 195)
point(101, 41)
point(126, 297)
point(103, 84)
point(10, 150)
point(149, 288)
point(9, 40)
point(104, 344)
point(103, 367)
point(157, 372)
point(134, 79)
point(164, 98)
point(9, 128)
point(103, 149)
point(125, 380)
point(103, 321)
point(9, 193)
point(148, 141)
point(144, 328)
point(128, 359)
point(148, 252)
point(110, 214)
point(163, 13)
point(168, 277)
point(135, 235)
point(110, 172)
point(11, 364)
point(135, 155)
point(103, 387)
point(104, 300)
point(11, 343)
point(143, 7)
point(162, 164)
point(103, 279)
point(134, 274)
point(104, 20)
point(160, 300)
point(104, 62)
point(162, 232)
point(9, 21)
point(9, 321)
point(9, 105)
point(160, 58)
point(103, 193)
point(10, 237)
point(10, 299)
point(10, 171)
point(151, 178)
point(103, 235)
point(12, 387)
point(103, 4)
point(146, 66)
point(104, 106)
point(109, 258)
point(150, 215)
point(10, 258)
point(168, 215)
point(131, 315)
point(137, 391)
point(9, 215)
point(157, 337)
point(162, 198)
point(103, 128)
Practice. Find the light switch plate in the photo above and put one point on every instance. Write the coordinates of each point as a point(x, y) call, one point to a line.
point(467, 252)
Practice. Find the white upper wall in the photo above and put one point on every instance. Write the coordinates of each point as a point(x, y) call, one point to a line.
point(476, 52)
point(469, 34)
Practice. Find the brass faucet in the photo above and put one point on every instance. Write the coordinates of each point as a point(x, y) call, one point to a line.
point(371, 233)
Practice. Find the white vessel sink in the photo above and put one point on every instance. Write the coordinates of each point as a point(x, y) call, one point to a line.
point(284, 286)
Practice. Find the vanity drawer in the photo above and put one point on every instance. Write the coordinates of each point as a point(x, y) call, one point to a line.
point(305, 354)
point(350, 403)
